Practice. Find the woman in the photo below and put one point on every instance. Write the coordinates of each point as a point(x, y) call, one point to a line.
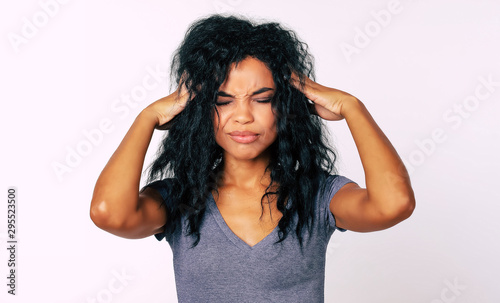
point(246, 192)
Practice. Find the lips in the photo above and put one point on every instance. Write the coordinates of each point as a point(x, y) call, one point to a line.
point(243, 136)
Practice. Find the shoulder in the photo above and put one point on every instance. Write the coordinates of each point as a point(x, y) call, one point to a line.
point(333, 184)
point(329, 187)
point(158, 189)
point(356, 210)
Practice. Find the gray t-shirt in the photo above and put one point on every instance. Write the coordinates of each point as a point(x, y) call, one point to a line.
point(223, 268)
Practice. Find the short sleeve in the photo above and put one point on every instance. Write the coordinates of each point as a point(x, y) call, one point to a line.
point(162, 186)
point(333, 184)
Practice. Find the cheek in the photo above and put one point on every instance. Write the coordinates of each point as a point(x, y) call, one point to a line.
point(218, 122)
point(271, 121)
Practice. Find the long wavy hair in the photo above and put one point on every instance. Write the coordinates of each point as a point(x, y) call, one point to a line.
point(189, 156)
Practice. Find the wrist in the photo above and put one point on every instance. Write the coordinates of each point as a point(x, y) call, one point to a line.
point(149, 116)
point(351, 106)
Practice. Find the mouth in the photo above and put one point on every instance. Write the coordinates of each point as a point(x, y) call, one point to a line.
point(243, 137)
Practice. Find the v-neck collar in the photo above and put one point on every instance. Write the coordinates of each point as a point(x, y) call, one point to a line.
point(267, 240)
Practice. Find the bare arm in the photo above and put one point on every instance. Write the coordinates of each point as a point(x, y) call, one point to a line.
point(117, 206)
point(388, 198)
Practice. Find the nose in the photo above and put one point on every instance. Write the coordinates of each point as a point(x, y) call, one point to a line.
point(243, 113)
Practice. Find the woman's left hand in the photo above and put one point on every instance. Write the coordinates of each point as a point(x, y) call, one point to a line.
point(329, 103)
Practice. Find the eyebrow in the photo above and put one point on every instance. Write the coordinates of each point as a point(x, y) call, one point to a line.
point(222, 93)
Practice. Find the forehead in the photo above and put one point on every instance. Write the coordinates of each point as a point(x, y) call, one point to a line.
point(246, 77)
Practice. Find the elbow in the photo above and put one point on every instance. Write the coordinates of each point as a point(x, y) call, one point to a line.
point(407, 209)
point(396, 208)
point(99, 214)
point(103, 217)
point(409, 205)
point(116, 223)
point(402, 208)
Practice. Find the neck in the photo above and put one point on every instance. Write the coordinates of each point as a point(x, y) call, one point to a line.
point(245, 174)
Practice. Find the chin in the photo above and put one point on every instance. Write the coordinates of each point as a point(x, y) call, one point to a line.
point(244, 156)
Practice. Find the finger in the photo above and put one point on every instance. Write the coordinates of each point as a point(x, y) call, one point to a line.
point(168, 125)
point(304, 85)
point(312, 108)
point(182, 86)
point(305, 88)
point(295, 81)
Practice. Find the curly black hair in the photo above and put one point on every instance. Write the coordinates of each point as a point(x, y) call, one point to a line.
point(301, 157)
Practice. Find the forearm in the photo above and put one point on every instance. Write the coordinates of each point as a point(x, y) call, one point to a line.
point(387, 181)
point(116, 191)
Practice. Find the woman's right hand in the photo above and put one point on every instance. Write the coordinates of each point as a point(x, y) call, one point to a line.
point(166, 108)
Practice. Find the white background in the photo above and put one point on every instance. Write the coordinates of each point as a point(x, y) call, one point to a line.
point(413, 71)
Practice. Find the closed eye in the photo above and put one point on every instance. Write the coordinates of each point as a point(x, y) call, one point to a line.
point(222, 103)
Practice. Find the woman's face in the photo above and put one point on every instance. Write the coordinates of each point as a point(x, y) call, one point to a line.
point(247, 124)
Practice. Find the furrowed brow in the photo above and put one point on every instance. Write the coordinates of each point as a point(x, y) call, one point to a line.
point(262, 90)
point(222, 93)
